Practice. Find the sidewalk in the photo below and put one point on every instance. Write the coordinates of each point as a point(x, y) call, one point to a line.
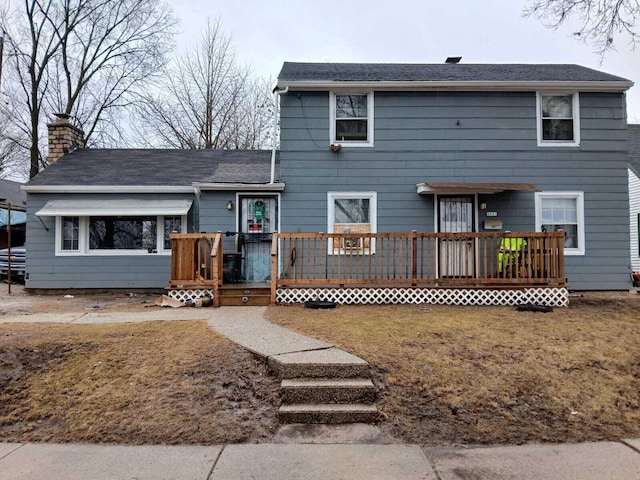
point(587, 461)
point(245, 325)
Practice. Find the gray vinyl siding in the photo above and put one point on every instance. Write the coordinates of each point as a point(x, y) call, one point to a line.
point(47, 271)
point(465, 137)
point(215, 217)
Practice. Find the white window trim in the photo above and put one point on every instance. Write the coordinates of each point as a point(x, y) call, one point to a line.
point(579, 196)
point(332, 120)
point(373, 217)
point(83, 240)
point(576, 120)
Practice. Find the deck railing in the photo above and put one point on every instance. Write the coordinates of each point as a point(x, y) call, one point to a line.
point(196, 261)
point(382, 259)
point(419, 259)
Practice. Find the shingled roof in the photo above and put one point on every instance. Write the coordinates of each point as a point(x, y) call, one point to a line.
point(414, 72)
point(10, 193)
point(156, 167)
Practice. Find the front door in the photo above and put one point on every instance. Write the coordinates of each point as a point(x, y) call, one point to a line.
point(258, 219)
point(455, 215)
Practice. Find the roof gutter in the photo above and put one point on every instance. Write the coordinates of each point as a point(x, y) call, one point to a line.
point(106, 189)
point(247, 187)
point(593, 86)
point(276, 92)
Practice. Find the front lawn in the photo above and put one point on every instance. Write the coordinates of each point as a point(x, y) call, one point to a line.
point(468, 375)
point(154, 382)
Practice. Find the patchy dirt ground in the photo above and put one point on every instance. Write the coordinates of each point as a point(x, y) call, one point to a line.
point(20, 302)
point(491, 375)
point(447, 375)
point(145, 383)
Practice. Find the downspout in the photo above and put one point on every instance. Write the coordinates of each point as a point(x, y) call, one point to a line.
point(276, 92)
point(197, 192)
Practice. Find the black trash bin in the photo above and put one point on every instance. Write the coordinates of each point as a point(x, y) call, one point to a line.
point(231, 267)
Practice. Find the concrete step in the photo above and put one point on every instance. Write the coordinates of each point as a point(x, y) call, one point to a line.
point(328, 390)
point(328, 413)
point(328, 363)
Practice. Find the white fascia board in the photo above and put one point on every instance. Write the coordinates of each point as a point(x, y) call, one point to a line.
point(605, 86)
point(258, 187)
point(106, 189)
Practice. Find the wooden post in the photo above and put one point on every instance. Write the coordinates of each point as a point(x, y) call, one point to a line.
point(560, 260)
point(414, 257)
point(216, 259)
point(274, 267)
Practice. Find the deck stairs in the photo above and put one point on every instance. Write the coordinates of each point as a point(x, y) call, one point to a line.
point(245, 294)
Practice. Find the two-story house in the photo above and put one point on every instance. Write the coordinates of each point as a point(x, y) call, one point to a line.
point(389, 178)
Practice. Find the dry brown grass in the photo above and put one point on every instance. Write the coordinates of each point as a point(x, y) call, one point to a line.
point(158, 382)
point(491, 374)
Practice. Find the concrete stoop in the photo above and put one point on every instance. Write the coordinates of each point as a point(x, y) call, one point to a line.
point(326, 386)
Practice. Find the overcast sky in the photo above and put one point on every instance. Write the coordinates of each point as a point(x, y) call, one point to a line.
point(265, 33)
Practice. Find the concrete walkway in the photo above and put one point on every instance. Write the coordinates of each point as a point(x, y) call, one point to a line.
point(586, 461)
point(246, 326)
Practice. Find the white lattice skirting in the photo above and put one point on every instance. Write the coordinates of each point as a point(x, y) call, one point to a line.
point(186, 295)
point(553, 297)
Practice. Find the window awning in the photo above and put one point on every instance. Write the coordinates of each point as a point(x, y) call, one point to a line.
point(444, 188)
point(111, 208)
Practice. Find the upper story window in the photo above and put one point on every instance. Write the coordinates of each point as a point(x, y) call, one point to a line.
point(558, 119)
point(352, 119)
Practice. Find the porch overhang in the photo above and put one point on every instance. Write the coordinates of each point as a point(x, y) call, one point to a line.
point(432, 188)
point(114, 207)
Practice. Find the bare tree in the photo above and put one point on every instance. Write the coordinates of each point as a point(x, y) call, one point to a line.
point(207, 100)
point(600, 21)
point(86, 58)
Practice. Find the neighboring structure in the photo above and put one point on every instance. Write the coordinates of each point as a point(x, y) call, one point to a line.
point(364, 149)
point(634, 194)
point(11, 196)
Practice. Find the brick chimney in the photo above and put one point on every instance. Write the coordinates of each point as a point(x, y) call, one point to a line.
point(63, 137)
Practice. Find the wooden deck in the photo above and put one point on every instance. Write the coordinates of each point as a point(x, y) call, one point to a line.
point(408, 260)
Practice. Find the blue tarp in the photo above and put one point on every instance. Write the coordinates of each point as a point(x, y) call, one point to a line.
point(16, 217)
